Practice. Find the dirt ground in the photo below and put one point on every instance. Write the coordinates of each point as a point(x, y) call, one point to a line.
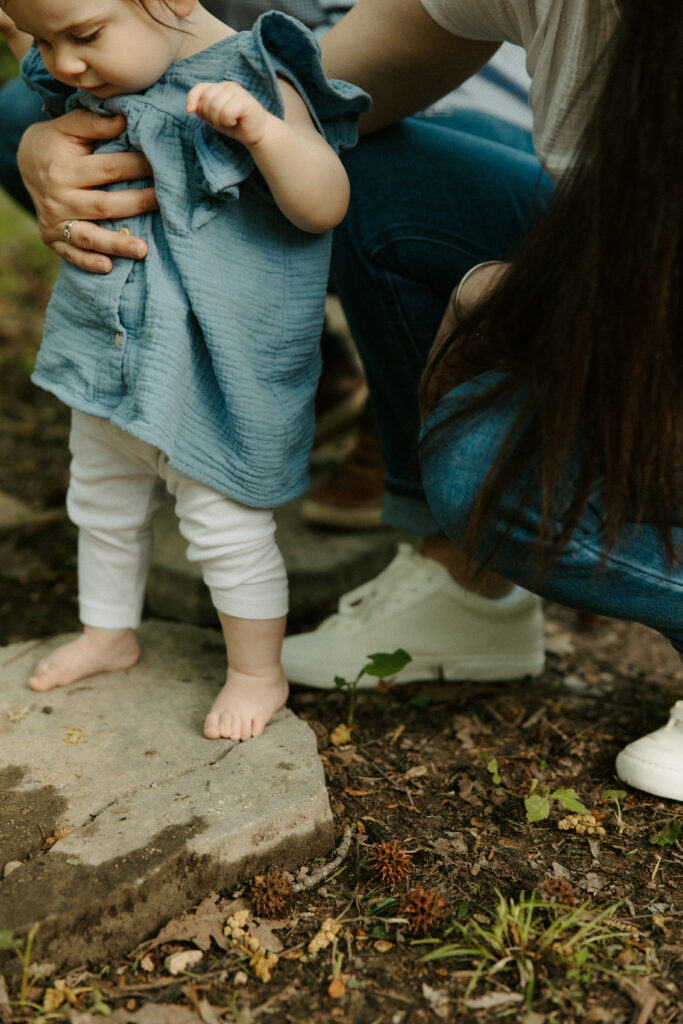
point(470, 911)
point(457, 935)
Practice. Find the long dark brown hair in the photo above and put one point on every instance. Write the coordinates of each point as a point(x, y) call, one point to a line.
point(587, 321)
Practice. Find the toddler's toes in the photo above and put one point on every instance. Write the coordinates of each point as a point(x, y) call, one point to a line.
point(212, 726)
point(231, 728)
point(258, 724)
point(224, 726)
point(42, 678)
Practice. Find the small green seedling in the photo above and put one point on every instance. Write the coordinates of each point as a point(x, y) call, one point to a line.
point(615, 796)
point(491, 766)
point(8, 942)
point(537, 803)
point(381, 666)
point(668, 835)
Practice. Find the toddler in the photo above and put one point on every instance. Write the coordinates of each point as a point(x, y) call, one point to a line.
point(195, 369)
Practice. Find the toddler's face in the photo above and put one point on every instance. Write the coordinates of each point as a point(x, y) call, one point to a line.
point(105, 46)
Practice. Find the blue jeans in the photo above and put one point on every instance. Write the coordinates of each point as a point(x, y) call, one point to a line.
point(19, 108)
point(635, 582)
point(430, 198)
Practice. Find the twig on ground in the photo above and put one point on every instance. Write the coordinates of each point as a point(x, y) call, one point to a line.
point(643, 994)
point(325, 870)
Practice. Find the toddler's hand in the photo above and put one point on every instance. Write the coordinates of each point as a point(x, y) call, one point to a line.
point(230, 109)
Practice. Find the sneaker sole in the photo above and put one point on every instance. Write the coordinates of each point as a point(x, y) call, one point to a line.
point(490, 669)
point(649, 777)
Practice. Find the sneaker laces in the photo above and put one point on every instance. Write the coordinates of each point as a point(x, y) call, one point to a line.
point(405, 575)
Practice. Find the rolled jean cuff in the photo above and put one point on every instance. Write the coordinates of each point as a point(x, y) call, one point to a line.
point(407, 512)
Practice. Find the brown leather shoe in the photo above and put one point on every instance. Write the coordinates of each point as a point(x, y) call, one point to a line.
point(351, 497)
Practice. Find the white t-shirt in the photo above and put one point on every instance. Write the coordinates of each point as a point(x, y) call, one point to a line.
point(562, 39)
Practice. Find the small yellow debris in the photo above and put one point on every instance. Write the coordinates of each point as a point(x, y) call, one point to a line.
point(147, 964)
point(53, 999)
point(260, 960)
point(329, 930)
point(340, 735)
point(582, 824)
point(19, 716)
point(235, 927)
point(262, 963)
point(58, 834)
point(240, 978)
point(72, 736)
point(383, 945)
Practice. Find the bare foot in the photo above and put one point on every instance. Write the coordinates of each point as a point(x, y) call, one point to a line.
point(245, 705)
point(95, 650)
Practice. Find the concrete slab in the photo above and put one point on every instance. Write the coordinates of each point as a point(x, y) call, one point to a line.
point(148, 816)
point(321, 564)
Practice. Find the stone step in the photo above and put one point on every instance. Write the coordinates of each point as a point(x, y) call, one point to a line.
point(149, 815)
point(321, 565)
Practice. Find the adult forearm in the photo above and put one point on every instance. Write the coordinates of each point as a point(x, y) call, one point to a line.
point(396, 52)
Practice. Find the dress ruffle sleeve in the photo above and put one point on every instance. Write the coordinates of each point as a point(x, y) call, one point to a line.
point(53, 94)
point(223, 162)
point(286, 47)
point(279, 45)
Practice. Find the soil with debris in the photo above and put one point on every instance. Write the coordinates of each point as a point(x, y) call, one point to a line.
point(449, 903)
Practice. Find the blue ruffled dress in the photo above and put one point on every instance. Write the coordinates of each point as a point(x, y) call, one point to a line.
point(208, 348)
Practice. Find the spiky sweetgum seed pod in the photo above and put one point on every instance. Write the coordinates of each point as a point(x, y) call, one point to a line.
point(423, 909)
point(389, 861)
point(557, 890)
point(270, 893)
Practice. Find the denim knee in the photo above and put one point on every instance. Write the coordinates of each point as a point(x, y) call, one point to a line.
point(455, 462)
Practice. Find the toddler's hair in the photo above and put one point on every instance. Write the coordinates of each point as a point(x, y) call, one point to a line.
point(143, 3)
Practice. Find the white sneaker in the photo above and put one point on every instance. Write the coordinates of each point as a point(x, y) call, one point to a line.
point(414, 603)
point(654, 763)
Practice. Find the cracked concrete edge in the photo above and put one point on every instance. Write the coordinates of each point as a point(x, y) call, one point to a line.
point(116, 923)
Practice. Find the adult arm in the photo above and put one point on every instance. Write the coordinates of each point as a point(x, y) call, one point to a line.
point(64, 177)
point(397, 52)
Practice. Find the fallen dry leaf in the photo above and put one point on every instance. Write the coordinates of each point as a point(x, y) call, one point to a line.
point(264, 933)
point(336, 989)
point(202, 925)
point(493, 1000)
point(438, 1000)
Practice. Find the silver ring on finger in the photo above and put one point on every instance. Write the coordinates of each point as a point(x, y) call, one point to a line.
point(67, 231)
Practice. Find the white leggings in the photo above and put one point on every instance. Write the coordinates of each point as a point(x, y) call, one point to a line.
point(117, 484)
